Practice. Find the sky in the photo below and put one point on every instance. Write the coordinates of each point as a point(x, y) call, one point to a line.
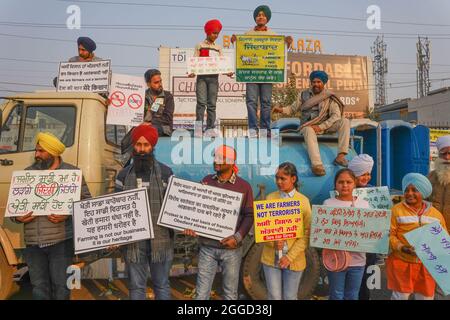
point(34, 37)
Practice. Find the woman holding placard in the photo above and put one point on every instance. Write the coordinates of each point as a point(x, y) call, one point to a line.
point(345, 269)
point(406, 274)
point(284, 261)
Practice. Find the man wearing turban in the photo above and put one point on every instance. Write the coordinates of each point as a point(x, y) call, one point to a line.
point(86, 48)
point(260, 92)
point(207, 85)
point(159, 103)
point(406, 274)
point(155, 254)
point(440, 178)
point(321, 112)
point(49, 239)
point(228, 251)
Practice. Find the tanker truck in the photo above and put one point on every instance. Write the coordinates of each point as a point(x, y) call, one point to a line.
point(79, 120)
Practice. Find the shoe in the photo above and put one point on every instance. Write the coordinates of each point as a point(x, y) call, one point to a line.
point(253, 134)
point(342, 163)
point(318, 170)
point(212, 133)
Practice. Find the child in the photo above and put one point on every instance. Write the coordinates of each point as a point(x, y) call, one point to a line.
point(207, 85)
point(283, 273)
point(406, 274)
point(345, 285)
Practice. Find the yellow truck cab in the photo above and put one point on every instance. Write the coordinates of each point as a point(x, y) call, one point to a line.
point(78, 119)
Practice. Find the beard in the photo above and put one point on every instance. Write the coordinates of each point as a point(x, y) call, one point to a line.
point(143, 162)
point(157, 91)
point(442, 169)
point(42, 164)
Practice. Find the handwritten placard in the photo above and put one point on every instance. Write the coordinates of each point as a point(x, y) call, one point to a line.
point(277, 219)
point(210, 65)
point(210, 211)
point(92, 76)
point(116, 219)
point(44, 192)
point(432, 244)
point(377, 197)
point(350, 229)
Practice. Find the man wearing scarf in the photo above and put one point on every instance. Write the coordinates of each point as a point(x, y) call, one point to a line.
point(156, 254)
point(86, 48)
point(49, 245)
point(321, 112)
point(228, 252)
point(406, 274)
point(260, 91)
point(440, 179)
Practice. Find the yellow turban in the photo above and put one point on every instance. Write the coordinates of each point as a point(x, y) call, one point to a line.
point(50, 143)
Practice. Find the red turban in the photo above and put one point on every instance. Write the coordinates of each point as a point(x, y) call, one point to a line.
point(213, 26)
point(147, 131)
point(226, 155)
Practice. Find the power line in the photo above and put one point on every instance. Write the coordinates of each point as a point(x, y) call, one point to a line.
point(251, 10)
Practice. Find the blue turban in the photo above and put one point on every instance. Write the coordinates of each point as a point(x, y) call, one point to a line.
point(264, 9)
point(148, 75)
point(87, 43)
point(319, 74)
point(419, 181)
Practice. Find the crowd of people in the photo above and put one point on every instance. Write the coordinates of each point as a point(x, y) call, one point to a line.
point(49, 241)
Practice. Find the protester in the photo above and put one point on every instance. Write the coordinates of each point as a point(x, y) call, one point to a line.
point(283, 273)
point(49, 239)
point(321, 112)
point(406, 274)
point(345, 284)
point(440, 179)
point(362, 165)
point(86, 48)
point(262, 91)
point(207, 86)
point(157, 253)
point(159, 104)
point(228, 252)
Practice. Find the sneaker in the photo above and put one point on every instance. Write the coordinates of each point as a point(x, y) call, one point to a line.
point(213, 133)
point(253, 133)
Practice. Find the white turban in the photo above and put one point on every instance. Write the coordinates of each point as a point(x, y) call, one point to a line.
point(361, 164)
point(443, 142)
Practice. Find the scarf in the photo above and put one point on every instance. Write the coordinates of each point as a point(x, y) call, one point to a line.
point(162, 244)
point(324, 108)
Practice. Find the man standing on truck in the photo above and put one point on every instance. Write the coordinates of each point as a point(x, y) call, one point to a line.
point(86, 48)
point(228, 251)
point(157, 253)
point(49, 245)
point(321, 112)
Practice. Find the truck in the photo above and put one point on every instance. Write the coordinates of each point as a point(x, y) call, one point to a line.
point(79, 120)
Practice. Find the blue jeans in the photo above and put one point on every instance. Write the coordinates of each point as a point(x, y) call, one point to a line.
point(138, 274)
point(345, 285)
point(206, 91)
point(208, 260)
point(281, 283)
point(263, 91)
point(48, 270)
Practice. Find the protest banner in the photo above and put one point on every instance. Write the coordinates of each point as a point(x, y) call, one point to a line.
point(44, 192)
point(210, 65)
point(377, 197)
point(432, 244)
point(260, 59)
point(277, 220)
point(110, 220)
point(127, 96)
point(350, 229)
point(210, 211)
point(84, 76)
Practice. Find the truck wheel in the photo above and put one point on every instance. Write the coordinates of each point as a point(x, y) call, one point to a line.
point(253, 275)
point(6, 276)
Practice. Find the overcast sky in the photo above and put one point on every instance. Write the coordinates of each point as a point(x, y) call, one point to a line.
point(34, 36)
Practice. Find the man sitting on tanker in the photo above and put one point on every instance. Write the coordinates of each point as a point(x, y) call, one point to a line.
point(321, 112)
